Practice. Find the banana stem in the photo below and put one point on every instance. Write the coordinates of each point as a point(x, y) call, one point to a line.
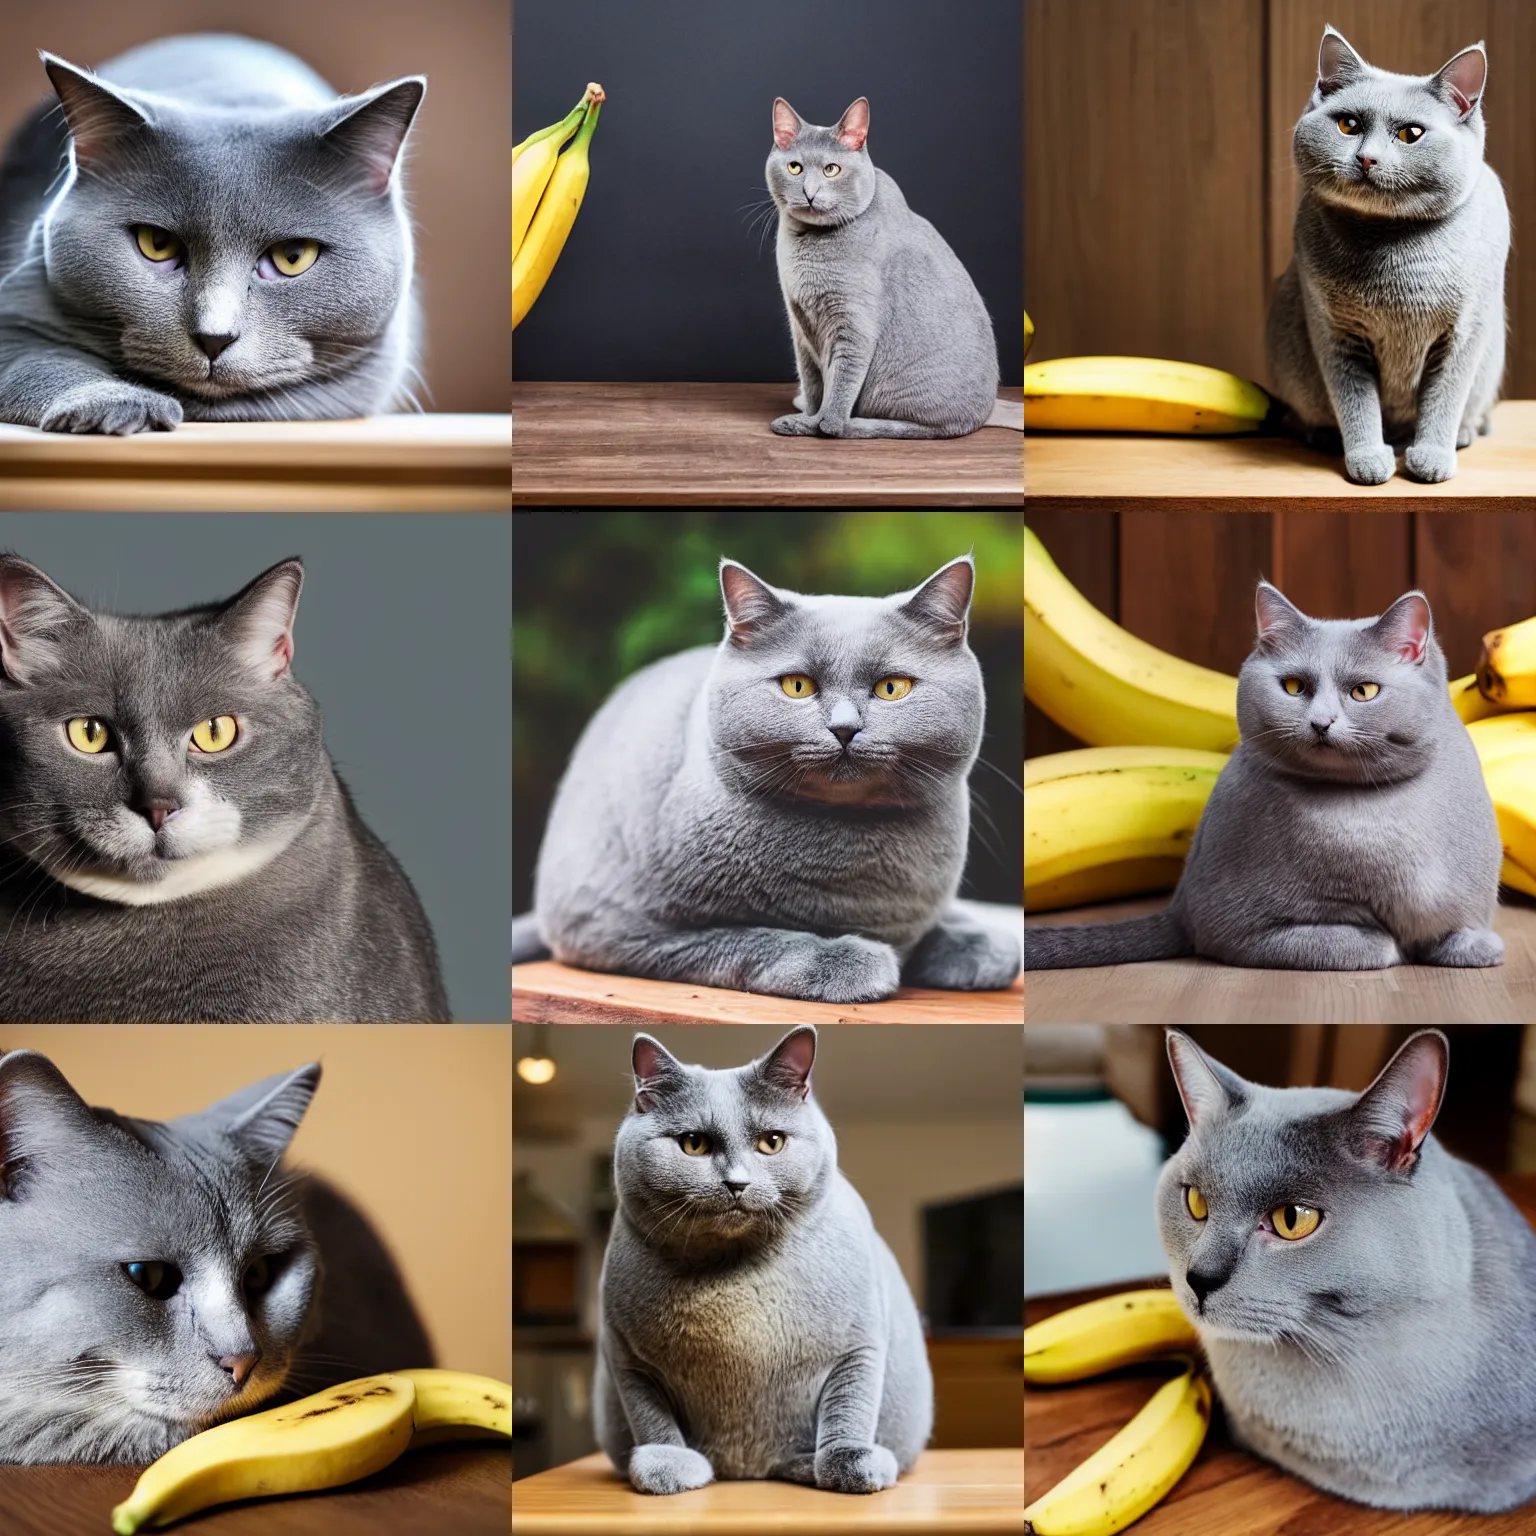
point(580, 142)
point(565, 128)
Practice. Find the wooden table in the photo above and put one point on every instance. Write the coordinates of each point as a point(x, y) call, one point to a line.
point(452, 1489)
point(1203, 992)
point(711, 445)
point(546, 992)
point(1227, 1492)
point(972, 1491)
point(406, 463)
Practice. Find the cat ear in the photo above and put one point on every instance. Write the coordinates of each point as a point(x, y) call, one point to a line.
point(1461, 81)
point(1404, 629)
point(786, 123)
point(788, 1065)
point(853, 126)
point(1392, 1117)
point(34, 613)
point(371, 128)
point(42, 1120)
point(1207, 1088)
point(943, 601)
point(96, 114)
point(1277, 617)
point(1337, 63)
point(261, 1118)
point(259, 619)
point(751, 605)
point(656, 1069)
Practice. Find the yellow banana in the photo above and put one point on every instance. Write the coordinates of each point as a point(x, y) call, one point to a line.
point(455, 1405)
point(333, 1437)
point(1127, 1476)
point(1506, 671)
point(561, 130)
point(1501, 736)
point(535, 258)
point(1470, 703)
point(1104, 1334)
point(1139, 394)
point(1029, 333)
point(1517, 878)
point(1512, 785)
point(1104, 882)
point(531, 172)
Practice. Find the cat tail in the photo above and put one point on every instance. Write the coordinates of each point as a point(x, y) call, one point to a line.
point(1159, 937)
point(1007, 413)
point(527, 942)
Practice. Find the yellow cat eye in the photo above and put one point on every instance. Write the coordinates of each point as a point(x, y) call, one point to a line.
point(87, 734)
point(771, 1141)
point(1349, 126)
point(794, 167)
point(1294, 1221)
point(829, 171)
point(893, 687)
point(291, 257)
point(797, 685)
point(1292, 685)
point(1196, 1203)
point(694, 1143)
point(215, 735)
point(1410, 133)
point(156, 243)
point(1364, 691)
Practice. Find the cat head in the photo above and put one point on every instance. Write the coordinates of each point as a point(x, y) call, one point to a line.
point(1357, 700)
point(142, 759)
point(722, 1159)
point(856, 701)
point(1288, 1211)
point(158, 1277)
point(1393, 146)
point(821, 176)
point(230, 254)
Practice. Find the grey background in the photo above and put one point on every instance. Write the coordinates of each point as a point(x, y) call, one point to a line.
point(403, 638)
point(661, 278)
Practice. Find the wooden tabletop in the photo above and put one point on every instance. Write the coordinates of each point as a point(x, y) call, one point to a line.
point(546, 992)
point(459, 1489)
point(406, 463)
point(972, 1491)
point(1227, 1491)
point(711, 445)
point(1259, 473)
point(1203, 992)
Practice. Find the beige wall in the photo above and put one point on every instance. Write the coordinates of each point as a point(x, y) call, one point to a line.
point(413, 1122)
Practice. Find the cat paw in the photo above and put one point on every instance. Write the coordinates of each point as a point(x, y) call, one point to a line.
point(1465, 435)
point(1468, 947)
point(798, 425)
point(963, 960)
point(1370, 466)
point(111, 407)
point(847, 969)
point(668, 1469)
point(1431, 462)
point(855, 1468)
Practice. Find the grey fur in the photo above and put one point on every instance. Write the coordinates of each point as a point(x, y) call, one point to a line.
point(891, 337)
point(290, 908)
point(93, 1369)
point(710, 829)
point(1388, 1357)
point(232, 146)
point(1372, 847)
point(1388, 326)
point(760, 1332)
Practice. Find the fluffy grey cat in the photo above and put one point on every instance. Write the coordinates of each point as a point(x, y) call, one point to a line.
point(174, 842)
point(752, 1321)
point(160, 1277)
point(207, 231)
point(891, 337)
point(786, 812)
point(1351, 828)
point(1364, 1298)
point(1388, 326)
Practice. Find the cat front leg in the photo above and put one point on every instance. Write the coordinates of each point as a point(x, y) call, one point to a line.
point(847, 1459)
point(1349, 373)
point(958, 953)
point(59, 390)
point(808, 401)
point(1465, 947)
point(659, 1460)
point(1443, 396)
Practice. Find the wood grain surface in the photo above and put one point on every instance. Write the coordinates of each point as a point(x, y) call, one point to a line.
point(458, 1489)
point(546, 992)
point(711, 445)
point(968, 1491)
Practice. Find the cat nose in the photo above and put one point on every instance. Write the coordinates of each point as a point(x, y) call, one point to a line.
point(734, 1186)
point(212, 343)
point(157, 811)
point(1202, 1284)
point(844, 722)
point(240, 1366)
point(844, 733)
point(1322, 727)
point(1366, 162)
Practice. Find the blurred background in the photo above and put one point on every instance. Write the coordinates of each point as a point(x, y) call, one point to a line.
point(412, 1122)
point(456, 172)
point(596, 595)
point(927, 1124)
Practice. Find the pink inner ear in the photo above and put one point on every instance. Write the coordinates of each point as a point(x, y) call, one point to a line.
point(853, 138)
point(282, 653)
point(785, 124)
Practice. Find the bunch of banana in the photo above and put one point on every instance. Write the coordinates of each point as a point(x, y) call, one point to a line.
point(1506, 671)
point(322, 1441)
point(1140, 394)
point(1506, 746)
point(547, 189)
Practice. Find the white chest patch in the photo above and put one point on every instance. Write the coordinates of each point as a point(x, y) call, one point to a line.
point(190, 876)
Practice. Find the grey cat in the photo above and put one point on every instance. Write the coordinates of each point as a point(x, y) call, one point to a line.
point(161, 1277)
point(1364, 1298)
point(1388, 326)
point(1351, 828)
point(174, 841)
point(206, 232)
point(752, 1321)
point(786, 812)
point(891, 337)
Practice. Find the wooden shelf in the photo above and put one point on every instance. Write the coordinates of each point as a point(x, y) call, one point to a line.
point(968, 1491)
point(406, 463)
point(711, 445)
point(1264, 473)
point(546, 992)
